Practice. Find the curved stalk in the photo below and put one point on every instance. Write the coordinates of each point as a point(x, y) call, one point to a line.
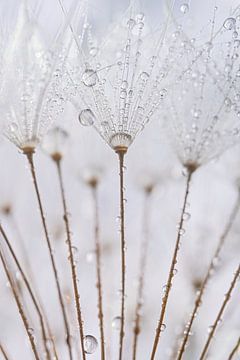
point(234, 350)
point(142, 270)
point(29, 155)
point(31, 281)
point(71, 256)
point(4, 353)
point(30, 291)
point(161, 326)
point(94, 185)
point(227, 298)
point(20, 307)
point(198, 300)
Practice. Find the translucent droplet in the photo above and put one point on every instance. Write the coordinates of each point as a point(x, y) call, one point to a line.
point(229, 23)
point(144, 76)
point(31, 331)
point(90, 256)
point(93, 51)
point(140, 17)
point(235, 35)
point(89, 77)
point(86, 117)
point(131, 23)
point(116, 323)
point(163, 327)
point(186, 216)
point(13, 127)
point(163, 93)
point(90, 344)
point(184, 8)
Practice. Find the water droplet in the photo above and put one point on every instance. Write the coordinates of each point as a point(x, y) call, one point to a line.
point(131, 23)
point(90, 256)
point(93, 52)
point(229, 23)
point(184, 8)
point(186, 216)
point(13, 127)
point(90, 344)
point(163, 93)
point(163, 327)
point(31, 331)
point(236, 43)
point(116, 322)
point(86, 117)
point(144, 76)
point(140, 17)
point(235, 35)
point(89, 77)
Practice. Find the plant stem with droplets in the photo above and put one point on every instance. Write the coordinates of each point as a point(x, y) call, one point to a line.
point(198, 300)
point(4, 353)
point(20, 307)
point(227, 298)
point(142, 270)
point(50, 250)
point(71, 257)
point(94, 187)
point(234, 350)
point(172, 269)
point(121, 154)
point(30, 291)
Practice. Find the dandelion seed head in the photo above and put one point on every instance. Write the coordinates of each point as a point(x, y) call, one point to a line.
point(32, 91)
point(120, 87)
point(201, 106)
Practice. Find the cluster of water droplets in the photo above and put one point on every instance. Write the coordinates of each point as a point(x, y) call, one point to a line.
point(120, 88)
point(202, 110)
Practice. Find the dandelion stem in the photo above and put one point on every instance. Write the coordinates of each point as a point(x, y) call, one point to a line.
point(210, 269)
point(20, 307)
point(29, 155)
point(234, 350)
point(71, 256)
point(30, 291)
point(32, 281)
point(172, 268)
point(227, 298)
point(121, 153)
point(142, 271)
point(94, 187)
point(4, 352)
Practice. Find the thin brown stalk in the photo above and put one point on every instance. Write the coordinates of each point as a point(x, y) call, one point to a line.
point(32, 280)
point(94, 186)
point(20, 307)
point(71, 256)
point(227, 298)
point(121, 154)
point(161, 326)
point(4, 352)
point(234, 350)
point(30, 291)
point(29, 155)
point(212, 265)
point(142, 271)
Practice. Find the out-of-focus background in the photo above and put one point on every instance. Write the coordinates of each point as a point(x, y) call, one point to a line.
point(212, 196)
